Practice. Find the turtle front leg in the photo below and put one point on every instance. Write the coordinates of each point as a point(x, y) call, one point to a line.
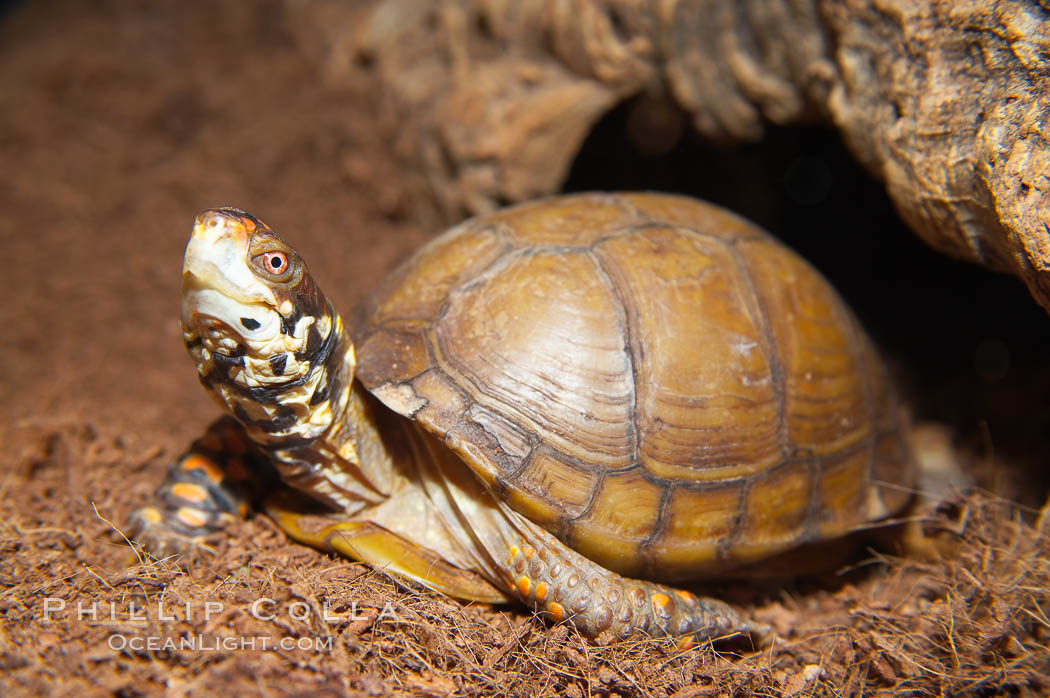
point(367, 538)
point(560, 584)
point(206, 488)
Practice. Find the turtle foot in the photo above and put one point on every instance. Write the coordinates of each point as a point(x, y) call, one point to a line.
point(152, 532)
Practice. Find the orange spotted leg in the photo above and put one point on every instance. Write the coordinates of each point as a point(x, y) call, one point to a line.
point(561, 584)
point(206, 488)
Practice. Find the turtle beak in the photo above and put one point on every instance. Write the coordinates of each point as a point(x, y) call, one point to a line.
point(216, 257)
point(216, 279)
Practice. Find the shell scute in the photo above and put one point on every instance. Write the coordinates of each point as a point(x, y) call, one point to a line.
point(825, 401)
point(513, 340)
point(706, 401)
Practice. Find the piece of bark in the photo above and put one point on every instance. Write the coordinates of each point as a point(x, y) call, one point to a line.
point(947, 101)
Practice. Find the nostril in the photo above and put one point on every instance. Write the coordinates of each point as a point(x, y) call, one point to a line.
point(250, 323)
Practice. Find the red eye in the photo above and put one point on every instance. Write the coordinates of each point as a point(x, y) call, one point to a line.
point(273, 262)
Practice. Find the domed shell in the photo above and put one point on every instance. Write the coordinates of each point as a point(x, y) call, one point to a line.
point(655, 380)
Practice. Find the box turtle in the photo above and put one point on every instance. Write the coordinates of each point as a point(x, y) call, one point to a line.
point(571, 402)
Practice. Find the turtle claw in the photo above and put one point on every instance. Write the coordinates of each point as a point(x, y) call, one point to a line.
point(745, 635)
point(761, 634)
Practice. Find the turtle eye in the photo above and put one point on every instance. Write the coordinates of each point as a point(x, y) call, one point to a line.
point(275, 263)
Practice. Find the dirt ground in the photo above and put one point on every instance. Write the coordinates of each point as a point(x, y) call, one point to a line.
point(120, 120)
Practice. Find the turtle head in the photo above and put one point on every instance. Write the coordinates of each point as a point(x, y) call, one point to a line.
point(261, 333)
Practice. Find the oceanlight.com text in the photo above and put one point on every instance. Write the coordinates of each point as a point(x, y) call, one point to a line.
point(120, 642)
